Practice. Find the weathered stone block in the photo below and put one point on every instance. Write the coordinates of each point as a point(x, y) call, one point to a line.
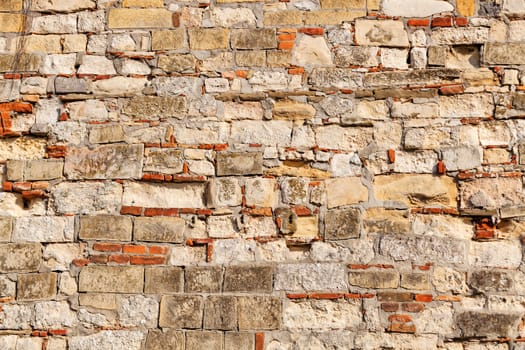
point(491, 193)
point(105, 227)
point(54, 315)
point(418, 281)
point(322, 314)
point(12, 22)
point(182, 63)
point(384, 33)
point(208, 38)
point(248, 279)
point(38, 170)
point(416, 190)
point(168, 39)
point(11, 5)
point(483, 324)
point(422, 249)
point(87, 197)
point(224, 192)
point(311, 51)
point(155, 106)
point(327, 17)
point(250, 58)
point(139, 18)
point(142, 3)
point(253, 39)
point(163, 280)
point(138, 310)
point(292, 110)
point(249, 163)
point(203, 279)
point(111, 279)
point(378, 220)
point(486, 281)
point(60, 6)
point(118, 340)
point(461, 158)
point(504, 53)
point(374, 279)
point(238, 340)
point(255, 312)
point(159, 229)
point(39, 286)
point(165, 340)
point(65, 85)
point(342, 224)
point(415, 8)
point(311, 277)
point(164, 196)
point(98, 300)
point(181, 311)
point(197, 340)
point(20, 257)
point(167, 161)
point(502, 254)
point(103, 162)
point(26, 62)
point(107, 134)
point(6, 227)
point(220, 312)
point(345, 191)
point(43, 229)
point(415, 77)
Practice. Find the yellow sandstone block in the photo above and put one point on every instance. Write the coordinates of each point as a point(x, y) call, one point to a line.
point(140, 18)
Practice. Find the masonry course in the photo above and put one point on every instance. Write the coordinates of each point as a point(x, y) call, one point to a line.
point(262, 174)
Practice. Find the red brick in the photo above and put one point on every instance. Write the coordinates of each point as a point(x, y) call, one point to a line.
point(286, 37)
point(413, 307)
point(285, 45)
point(329, 296)
point(451, 298)
point(130, 210)
point(33, 194)
point(312, 31)
point(402, 327)
point(40, 185)
point(389, 307)
point(394, 296)
point(442, 22)
point(176, 19)
point(119, 258)
point(259, 341)
point(302, 211)
point(134, 249)
point(161, 212)
point(98, 259)
point(153, 177)
point(451, 90)
point(296, 71)
point(7, 186)
point(297, 295)
point(391, 156)
point(21, 186)
point(400, 318)
point(58, 331)
point(425, 298)
point(441, 167)
point(107, 247)
point(80, 262)
point(147, 260)
point(154, 249)
point(418, 22)
point(461, 21)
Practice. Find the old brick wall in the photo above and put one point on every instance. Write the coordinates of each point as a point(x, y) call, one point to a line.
point(262, 174)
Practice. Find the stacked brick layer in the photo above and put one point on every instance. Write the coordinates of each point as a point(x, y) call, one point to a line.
point(262, 174)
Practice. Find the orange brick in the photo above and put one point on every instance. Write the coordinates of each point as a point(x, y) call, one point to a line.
point(119, 258)
point(147, 260)
point(134, 249)
point(285, 45)
point(158, 250)
point(130, 210)
point(425, 298)
point(107, 247)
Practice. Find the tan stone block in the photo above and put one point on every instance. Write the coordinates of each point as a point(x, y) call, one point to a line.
point(139, 18)
point(20, 257)
point(98, 300)
point(163, 280)
point(331, 17)
point(307, 228)
point(105, 227)
point(374, 279)
point(159, 229)
point(278, 18)
point(345, 191)
point(248, 279)
point(177, 63)
point(250, 58)
point(38, 170)
point(142, 3)
point(37, 286)
point(107, 134)
point(380, 220)
point(6, 227)
point(12, 22)
point(165, 340)
point(111, 279)
point(416, 190)
point(253, 38)
point(257, 312)
point(372, 5)
point(233, 1)
point(181, 311)
point(74, 43)
point(203, 279)
point(11, 5)
point(22, 63)
point(168, 39)
point(42, 43)
point(220, 312)
point(239, 340)
point(466, 7)
point(292, 110)
point(342, 4)
point(197, 340)
point(208, 38)
point(279, 58)
point(419, 281)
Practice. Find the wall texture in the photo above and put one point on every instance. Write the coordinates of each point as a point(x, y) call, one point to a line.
point(262, 174)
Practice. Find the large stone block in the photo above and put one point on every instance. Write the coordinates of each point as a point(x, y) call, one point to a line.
point(117, 340)
point(20, 257)
point(256, 312)
point(416, 190)
point(11, 5)
point(253, 39)
point(35, 286)
point(322, 315)
point(491, 193)
point(484, 324)
point(422, 249)
point(249, 163)
point(239, 340)
point(486, 281)
point(111, 279)
point(188, 195)
point(43, 229)
point(342, 224)
point(105, 227)
point(224, 192)
point(504, 53)
point(163, 280)
point(181, 311)
point(105, 162)
point(159, 229)
point(381, 33)
point(165, 340)
point(500, 254)
point(220, 312)
point(168, 39)
point(62, 6)
point(197, 340)
point(144, 107)
point(139, 18)
point(248, 279)
point(12, 22)
point(205, 279)
point(311, 277)
point(345, 191)
point(374, 279)
point(208, 38)
point(415, 8)
point(54, 315)
point(87, 198)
